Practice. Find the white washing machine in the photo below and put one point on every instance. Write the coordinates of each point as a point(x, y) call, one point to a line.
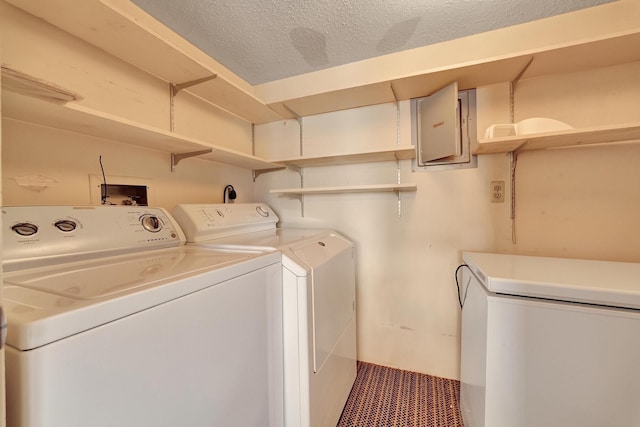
point(549, 342)
point(113, 321)
point(318, 301)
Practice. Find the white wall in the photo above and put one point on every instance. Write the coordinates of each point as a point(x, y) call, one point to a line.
point(406, 297)
point(70, 159)
point(106, 84)
point(3, 419)
point(579, 202)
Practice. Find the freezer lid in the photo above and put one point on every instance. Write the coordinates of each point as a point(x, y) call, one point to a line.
point(50, 303)
point(607, 283)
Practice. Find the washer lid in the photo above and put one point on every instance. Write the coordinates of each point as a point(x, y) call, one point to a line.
point(50, 303)
point(607, 283)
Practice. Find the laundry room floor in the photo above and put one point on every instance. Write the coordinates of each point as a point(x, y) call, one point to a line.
point(387, 397)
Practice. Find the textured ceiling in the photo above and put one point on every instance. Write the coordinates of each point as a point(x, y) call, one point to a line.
point(266, 40)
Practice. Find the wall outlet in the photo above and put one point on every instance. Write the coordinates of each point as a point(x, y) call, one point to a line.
point(497, 191)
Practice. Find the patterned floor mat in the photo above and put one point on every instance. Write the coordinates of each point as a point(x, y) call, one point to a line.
point(387, 397)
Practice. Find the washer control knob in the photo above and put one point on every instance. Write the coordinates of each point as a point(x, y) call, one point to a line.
point(262, 211)
point(65, 225)
point(151, 223)
point(25, 228)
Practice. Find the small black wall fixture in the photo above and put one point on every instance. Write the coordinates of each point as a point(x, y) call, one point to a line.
point(232, 194)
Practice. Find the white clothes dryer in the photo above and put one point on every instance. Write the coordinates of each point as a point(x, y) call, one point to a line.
point(318, 271)
point(113, 321)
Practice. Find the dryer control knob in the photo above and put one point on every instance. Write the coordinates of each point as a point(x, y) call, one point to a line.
point(151, 223)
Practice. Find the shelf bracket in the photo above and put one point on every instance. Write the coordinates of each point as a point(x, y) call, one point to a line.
point(301, 172)
point(175, 88)
point(296, 169)
point(395, 155)
point(512, 89)
point(173, 91)
point(299, 120)
point(399, 203)
point(290, 110)
point(257, 172)
point(393, 91)
point(513, 163)
point(301, 147)
point(300, 198)
point(177, 157)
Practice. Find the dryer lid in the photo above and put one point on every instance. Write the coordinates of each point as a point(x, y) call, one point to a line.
point(319, 250)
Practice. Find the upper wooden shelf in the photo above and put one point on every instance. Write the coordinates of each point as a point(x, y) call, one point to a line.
point(383, 155)
point(564, 138)
point(76, 118)
point(126, 32)
point(583, 55)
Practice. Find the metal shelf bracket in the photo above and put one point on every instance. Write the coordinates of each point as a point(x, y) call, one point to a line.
point(177, 157)
point(175, 88)
point(513, 163)
point(173, 91)
point(257, 172)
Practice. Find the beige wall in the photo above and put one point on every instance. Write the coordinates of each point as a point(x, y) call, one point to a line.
point(3, 419)
point(581, 202)
point(70, 159)
point(578, 202)
point(406, 298)
point(106, 84)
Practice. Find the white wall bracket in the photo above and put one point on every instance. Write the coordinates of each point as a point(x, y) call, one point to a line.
point(513, 160)
point(256, 173)
point(173, 91)
point(177, 157)
point(512, 89)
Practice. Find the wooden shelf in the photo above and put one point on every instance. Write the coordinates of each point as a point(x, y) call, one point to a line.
point(348, 189)
point(76, 118)
point(128, 33)
point(309, 94)
point(383, 155)
point(565, 138)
